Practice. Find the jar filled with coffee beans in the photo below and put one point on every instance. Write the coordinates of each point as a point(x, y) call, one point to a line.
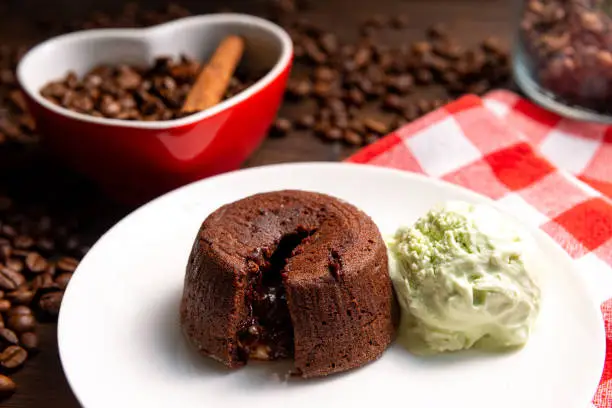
point(563, 56)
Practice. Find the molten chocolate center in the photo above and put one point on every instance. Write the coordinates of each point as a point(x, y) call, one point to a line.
point(267, 334)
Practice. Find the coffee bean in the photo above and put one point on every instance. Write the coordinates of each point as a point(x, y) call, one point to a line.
point(376, 125)
point(335, 105)
point(5, 305)
point(13, 357)
point(424, 105)
point(23, 242)
point(363, 56)
point(109, 106)
point(313, 52)
point(357, 125)
point(14, 264)
point(332, 134)
point(367, 87)
point(353, 138)
point(21, 296)
point(388, 62)
point(50, 269)
point(29, 341)
point(377, 20)
point(411, 112)
point(421, 47)
point(355, 97)
point(306, 122)
point(325, 115)
point(437, 103)
point(280, 128)
point(479, 88)
point(50, 302)
point(437, 31)
point(375, 74)
point(71, 80)
point(325, 74)
point(19, 311)
point(35, 262)
point(18, 100)
point(450, 78)
point(300, 88)
point(370, 138)
point(127, 78)
point(8, 337)
point(7, 386)
point(62, 280)
point(20, 253)
point(8, 231)
point(447, 49)
point(7, 78)
point(401, 84)
point(493, 45)
point(393, 103)
point(423, 76)
point(5, 246)
point(435, 64)
point(400, 21)
point(21, 322)
point(329, 43)
point(298, 51)
point(322, 89)
point(10, 279)
point(43, 281)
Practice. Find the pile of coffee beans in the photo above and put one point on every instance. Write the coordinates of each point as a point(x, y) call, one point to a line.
point(37, 259)
point(364, 89)
point(152, 93)
point(568, 48)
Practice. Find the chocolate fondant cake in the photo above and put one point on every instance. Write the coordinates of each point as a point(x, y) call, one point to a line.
point(289, 274)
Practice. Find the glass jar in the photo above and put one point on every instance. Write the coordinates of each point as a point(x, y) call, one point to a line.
point(563, 56)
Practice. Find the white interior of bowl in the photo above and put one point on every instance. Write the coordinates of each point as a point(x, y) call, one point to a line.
point(268, 48)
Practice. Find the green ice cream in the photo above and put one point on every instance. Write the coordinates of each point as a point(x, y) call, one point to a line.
point(461, 279)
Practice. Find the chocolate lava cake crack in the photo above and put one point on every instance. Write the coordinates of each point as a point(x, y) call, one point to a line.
point(335, 265)
point(267, 333)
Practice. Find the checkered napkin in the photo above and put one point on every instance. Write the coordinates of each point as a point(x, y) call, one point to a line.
point(550, 172)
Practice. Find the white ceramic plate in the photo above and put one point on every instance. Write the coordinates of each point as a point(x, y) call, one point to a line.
point(121, 346)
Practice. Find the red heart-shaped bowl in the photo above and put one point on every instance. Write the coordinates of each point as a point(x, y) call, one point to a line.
point(137, 160)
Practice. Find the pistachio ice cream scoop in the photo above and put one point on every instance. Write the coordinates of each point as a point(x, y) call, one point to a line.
point(461, 279)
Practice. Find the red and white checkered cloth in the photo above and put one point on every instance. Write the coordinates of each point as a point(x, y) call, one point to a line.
point(550, 172)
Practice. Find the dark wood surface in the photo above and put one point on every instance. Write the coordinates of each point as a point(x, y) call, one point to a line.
point(41, 382)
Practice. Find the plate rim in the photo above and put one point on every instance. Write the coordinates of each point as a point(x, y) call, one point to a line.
point(580, 279)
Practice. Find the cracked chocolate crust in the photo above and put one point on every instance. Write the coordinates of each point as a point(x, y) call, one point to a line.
point(289, 274)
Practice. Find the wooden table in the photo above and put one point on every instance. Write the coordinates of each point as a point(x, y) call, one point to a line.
point(42, 383)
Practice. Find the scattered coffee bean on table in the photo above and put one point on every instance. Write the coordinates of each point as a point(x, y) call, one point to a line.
point(352, 82)
point(13, 357)
point(37, 259)
point(152, 93)
point(7, 386)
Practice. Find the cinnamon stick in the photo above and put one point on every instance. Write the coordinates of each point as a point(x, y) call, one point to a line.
point(212, 83)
